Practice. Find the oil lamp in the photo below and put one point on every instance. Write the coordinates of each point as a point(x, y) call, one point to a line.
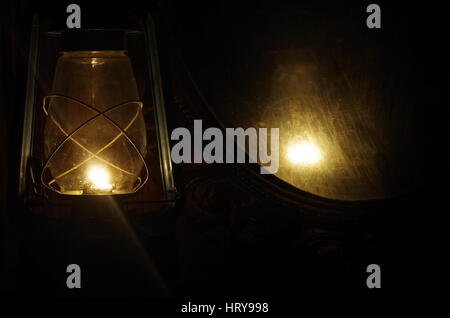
point(94, 120)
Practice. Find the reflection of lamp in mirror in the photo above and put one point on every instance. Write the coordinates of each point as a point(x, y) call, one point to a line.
point(95, 137)
point(304, 152)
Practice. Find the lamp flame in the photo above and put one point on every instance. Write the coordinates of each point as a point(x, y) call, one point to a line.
point(99, 178)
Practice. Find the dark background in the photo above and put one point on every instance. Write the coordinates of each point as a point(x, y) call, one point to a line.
point(227, 237)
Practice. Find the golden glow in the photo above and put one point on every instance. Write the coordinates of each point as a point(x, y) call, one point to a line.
point(99, 179)
point(95, 61)
point(304, 153)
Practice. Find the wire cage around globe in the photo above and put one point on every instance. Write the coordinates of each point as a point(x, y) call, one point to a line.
point(95, 135)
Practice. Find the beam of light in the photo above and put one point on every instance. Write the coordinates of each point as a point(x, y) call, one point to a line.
point(99, 178)
point(152, 274)
point(304, 152)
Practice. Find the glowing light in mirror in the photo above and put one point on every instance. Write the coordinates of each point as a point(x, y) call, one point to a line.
point(304, 153)
point(99, 179)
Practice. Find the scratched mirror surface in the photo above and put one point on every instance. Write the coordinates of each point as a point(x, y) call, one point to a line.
point(342, 96)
